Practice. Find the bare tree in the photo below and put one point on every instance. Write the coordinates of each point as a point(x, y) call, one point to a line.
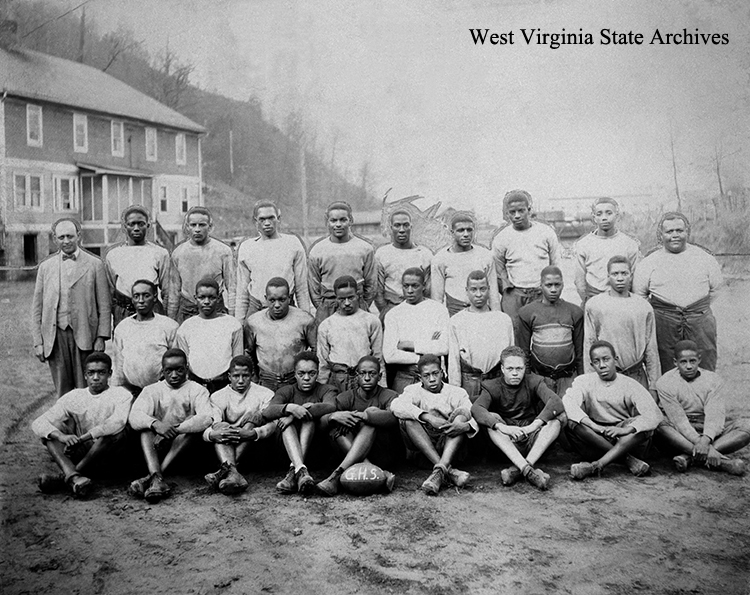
point(172, 78)
point(119, 42)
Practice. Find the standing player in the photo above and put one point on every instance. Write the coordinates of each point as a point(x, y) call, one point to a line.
point(346, 336)
point(141, 340)
point(136, 258)
point(415, 327)
point(210, 339)
point(70, 310)
point(522, 417)
point(338, 254)
point(276, 334)
point(451, 266)
point(610, 416)
point(271, 254)
point(680, 280)
point(551, 332)
point(627, 322)
point(594, 250)
point(84, 425)
point(435, 421)
point(298, 409)
point(393, 259)
point(198, 257)
point(476, 338)
point(521, 250)
point(361, 425)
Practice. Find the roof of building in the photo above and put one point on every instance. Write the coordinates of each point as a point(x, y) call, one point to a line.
point(40, 77)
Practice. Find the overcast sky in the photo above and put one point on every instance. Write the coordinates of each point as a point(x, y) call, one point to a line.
point(402, 85)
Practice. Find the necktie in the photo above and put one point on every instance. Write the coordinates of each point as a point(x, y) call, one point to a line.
point(68, 256)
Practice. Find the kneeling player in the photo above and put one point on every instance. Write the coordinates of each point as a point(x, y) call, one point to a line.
point(696, 423)
point(83, 425)
point(435, 420)
point(361, 420)
point(238, 421)
point(609, 416)
point(169, 414)
point(298, 407)
point(521, 415)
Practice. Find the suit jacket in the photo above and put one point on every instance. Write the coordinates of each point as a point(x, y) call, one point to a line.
point(89, 301)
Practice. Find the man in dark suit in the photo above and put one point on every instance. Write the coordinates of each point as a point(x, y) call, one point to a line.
point(71, 311)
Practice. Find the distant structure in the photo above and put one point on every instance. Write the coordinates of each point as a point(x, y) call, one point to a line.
point(76, 141)
point(430, 229)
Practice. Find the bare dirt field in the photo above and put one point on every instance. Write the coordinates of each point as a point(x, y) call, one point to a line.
point(666, 533)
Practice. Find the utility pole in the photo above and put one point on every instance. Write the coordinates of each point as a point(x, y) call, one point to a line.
point(303, 190)
point(674, 169)
point(231, 154)
point(82, 38)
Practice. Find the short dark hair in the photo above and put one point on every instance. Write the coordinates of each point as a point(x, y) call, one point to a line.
point(344, 281)
point(605, 200)
point(261, 204)
point(174, 352)
point(74, 221)
point(619, 259)
point(199, 211)
point(685, 345)
point(306, 356)
point(427, 359)
point(476, 276)
point(550, 270)
point(369, 358)
point(135, 209)
point(151, 284)
point(516, 196)
point(241, 360)
point(599, 344)
point(207, 282)
point(460, 217)
point(339, 205)
point(98, 356)
point(277, 282)
point(399, 212)
point(414, 272)
point(513, 351)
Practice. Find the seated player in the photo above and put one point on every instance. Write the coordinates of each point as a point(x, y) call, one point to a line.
point(298, 408)
point(141, 340)
point(170, 415)
point(210, 339)
point(83, 426)
point(476, 337)
point(276, 334)
point(435, 420)
point(347, 335)
point(522, 417)
point(361, 421)
point(237, 421)
point(696, 423)
point(609, 416)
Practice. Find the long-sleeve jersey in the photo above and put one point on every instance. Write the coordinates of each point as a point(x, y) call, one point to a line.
point(628, 324)
point(346, 339)
point(680, 279)
point(531, 399)
point(477, 339)
point(417, 323)
point(416, 400)
point(520, 256)
point(611, 402)
point(390, 263)
point(139, 346)
point(450, 270)
point(186, 406)
point(210, 343)
point(355, 400)
point(703, 395)
point(275, 342)
point(553, 335)
point(593, 252)
point(238, 409)
point(330, 260)
point(79, 411)
point(192, 263)
point(260, 259)
point(322, 398)
point(127, 264)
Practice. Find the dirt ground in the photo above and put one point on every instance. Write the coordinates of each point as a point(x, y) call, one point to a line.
point(666, 533)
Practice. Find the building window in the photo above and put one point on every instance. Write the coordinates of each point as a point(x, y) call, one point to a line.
point(163, 199)
point(27, 192)
point(151, 144)
point(80, 133)
point(66, 193)
point(92, 196)
point(180, 149)
point(184, 200)
point(34, 136)
point(118, 139)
